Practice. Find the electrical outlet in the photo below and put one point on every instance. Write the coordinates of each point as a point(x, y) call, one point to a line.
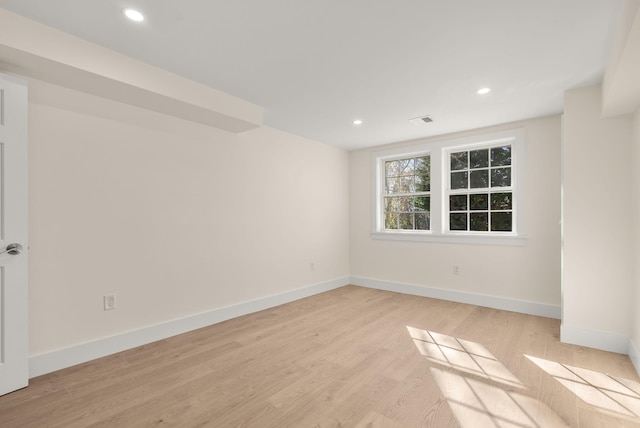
point(456, 270)
point(109, 302)
point(312, 267)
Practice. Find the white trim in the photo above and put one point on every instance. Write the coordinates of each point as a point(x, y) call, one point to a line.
point(469, 239)
point(56, 360)
point(67, 357)
point(521, 306)
point(438, 150)
point(634, 356)
point(602, 340)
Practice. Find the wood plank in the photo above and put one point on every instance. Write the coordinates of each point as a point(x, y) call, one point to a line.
point(341, 358)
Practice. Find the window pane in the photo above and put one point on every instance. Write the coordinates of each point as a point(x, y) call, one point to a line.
point(399, 204)
point(479, 158)
point(501, 201)
point(405, 220)
point(423, 203)
point(457, 202)
point(423, 183)
point(459, 180)
point(423, 174)
point(458, 161)
point(405, 204)
point(422, 221)
point(391, 185)
point(501, 156)
point(391, 168)
point(405, 185)
point(501, 222)
point(479, 178)
point(406, 166)
point(501, 177)
point(479, 202)
point(423, 164)
point(391, 205)
point(388, 205)
point(391, 221)
point(479, 222)
point(458, 221)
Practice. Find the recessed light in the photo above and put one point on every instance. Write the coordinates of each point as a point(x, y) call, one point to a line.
point(483, 91)
point(133, 15)
point(357, 122)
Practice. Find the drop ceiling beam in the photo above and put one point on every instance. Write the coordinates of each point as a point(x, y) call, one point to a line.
point(30, 49)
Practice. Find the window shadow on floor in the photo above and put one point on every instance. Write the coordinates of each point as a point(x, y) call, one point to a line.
point(479, 389)
point(607, 393)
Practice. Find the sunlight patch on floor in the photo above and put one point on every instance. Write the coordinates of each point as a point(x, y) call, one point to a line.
point(480, 390)
point(597, 389)
point(478, 403)
point(462, 355)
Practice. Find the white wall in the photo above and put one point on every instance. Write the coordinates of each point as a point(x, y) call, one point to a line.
point(635, 329)
point(173, 217)
point(530, 273)
point(597, 222)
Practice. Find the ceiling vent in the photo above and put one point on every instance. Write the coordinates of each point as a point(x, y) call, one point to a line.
point(421, 120)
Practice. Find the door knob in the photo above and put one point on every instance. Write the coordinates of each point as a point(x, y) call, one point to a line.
point(13, 249)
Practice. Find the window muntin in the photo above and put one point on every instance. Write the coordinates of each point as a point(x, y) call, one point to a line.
point(407, 193)
point(480, 193)
point(490, 191)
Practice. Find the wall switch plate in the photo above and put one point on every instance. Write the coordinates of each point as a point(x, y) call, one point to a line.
point(109, 302)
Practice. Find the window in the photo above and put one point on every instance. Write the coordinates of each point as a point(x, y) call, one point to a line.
point(407, 196)
point(480, 194)
point(468, 190)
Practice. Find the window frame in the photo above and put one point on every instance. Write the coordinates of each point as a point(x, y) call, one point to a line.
point(512, 188)
point(414, 194)
point(439, 151)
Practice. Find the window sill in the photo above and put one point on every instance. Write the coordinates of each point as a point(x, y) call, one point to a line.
point(510, 240)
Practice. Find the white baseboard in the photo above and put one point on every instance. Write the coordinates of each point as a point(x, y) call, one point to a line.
point(610, 342)
point(604, 341)
point(77, 354)
point(531, 308)
point(634, 355)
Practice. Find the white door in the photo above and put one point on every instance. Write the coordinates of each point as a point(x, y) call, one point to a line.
point(14, 367)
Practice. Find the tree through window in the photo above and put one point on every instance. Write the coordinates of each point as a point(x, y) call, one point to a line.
point(407, 200)
point(480, 190)
point(467, 190)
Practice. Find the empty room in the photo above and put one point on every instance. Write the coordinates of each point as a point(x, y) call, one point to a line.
point(415, 213)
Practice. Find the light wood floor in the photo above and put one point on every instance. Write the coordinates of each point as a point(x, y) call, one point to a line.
point(351, 357)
